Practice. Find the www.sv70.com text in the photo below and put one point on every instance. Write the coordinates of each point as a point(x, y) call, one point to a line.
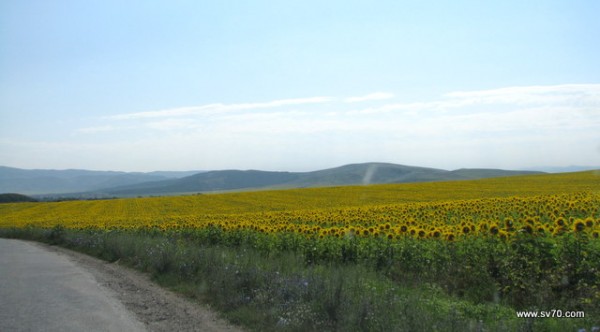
point(554, 313)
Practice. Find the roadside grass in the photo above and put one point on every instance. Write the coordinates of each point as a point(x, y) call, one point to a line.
point(425, 288)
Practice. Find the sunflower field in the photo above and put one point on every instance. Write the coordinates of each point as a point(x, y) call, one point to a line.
point(524, 242)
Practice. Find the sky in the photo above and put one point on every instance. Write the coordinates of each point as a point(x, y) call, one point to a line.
point(298, 85)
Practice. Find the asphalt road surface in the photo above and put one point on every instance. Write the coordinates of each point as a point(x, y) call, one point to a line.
point(43, 291)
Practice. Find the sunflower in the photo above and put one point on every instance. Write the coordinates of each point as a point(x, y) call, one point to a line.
point(560, 222)
point(529, 220)
point(527, 229)
point(589, 222)
point(578, 226)
point(494, 229)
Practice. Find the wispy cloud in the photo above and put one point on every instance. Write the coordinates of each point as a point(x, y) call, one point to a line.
point(531, 94)
point(574, 101)
point(370, 97)
point(495, 128)
point(220, 108)
point(95, 129)
point(579, 96)
point(172, 124)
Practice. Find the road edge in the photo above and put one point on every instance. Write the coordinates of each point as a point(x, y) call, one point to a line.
point(159, 309)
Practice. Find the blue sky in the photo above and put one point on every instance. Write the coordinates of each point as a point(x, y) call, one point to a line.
point(298, 85)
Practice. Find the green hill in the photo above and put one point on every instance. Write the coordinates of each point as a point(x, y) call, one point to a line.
point(353, 174)
point(15, 198)
point(47, 181)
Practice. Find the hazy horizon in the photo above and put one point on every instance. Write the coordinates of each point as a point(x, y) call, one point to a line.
point(141, 86)
point(547, 169)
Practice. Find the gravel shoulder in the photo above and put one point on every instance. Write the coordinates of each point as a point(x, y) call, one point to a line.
point(157, 308)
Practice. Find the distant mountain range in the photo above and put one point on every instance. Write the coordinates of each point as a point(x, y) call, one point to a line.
point(89, 184)
point(38, 181)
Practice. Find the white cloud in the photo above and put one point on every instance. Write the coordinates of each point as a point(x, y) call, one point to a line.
point(370, 97)
point(579, 97)
point(172, 124)
point(509, 127)
point(531, 94)
point(180, 111)
point(95, 129)
point(220, 108)
point(520, 110)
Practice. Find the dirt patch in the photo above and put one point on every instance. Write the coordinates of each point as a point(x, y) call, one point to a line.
point(159, 309)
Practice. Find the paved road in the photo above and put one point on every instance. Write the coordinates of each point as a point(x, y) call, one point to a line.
point(44, 291)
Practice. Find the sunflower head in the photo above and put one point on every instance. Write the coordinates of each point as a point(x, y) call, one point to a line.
point(589, 222)
point(578, 226)
point(529, 220)
point(527, 229)
point(494, 229)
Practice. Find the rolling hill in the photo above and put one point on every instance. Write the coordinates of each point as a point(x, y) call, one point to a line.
point(39, 181)
point(353, 174)
point(98, 184)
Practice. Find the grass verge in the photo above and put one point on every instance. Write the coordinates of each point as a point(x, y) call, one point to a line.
point(280, 290)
